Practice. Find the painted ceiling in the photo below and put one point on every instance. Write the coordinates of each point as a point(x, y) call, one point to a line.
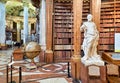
point(16, 8)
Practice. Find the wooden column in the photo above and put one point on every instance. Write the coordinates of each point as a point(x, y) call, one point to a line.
point(75, 60)
point(95, 10)
point(49, 52)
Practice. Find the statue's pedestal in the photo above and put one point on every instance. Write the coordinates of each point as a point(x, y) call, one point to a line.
point(93, 73)
point(93, 62)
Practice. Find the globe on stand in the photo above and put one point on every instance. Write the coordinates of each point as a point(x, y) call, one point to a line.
point(32, 50)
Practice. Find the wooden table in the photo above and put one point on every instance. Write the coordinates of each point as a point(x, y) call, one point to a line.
point(112, 58)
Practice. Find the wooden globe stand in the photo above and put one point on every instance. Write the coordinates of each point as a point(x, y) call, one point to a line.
point(32, 55)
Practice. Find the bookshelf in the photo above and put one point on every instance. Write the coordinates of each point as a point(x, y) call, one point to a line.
point(110, 24)
point(85, 12)
point(62, 30)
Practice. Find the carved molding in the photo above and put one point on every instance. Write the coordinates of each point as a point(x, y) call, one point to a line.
point(16, 19)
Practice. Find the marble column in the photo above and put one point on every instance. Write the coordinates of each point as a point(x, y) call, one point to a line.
point(42, 25)
point(25, 22)
point(2, 24)
point(18, 31)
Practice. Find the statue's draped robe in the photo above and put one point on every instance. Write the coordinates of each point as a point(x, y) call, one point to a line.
point(91, 37)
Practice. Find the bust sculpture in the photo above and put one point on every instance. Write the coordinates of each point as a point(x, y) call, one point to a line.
point(90, 42)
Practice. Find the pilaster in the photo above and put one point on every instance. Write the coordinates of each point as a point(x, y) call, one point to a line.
point(76, 58)
point(49, 11)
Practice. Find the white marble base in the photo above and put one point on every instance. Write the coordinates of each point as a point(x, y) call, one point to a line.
point(95, 60)
point(53, 80)
point(89, 62)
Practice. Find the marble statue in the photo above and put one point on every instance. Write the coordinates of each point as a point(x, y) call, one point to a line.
point(90, 42)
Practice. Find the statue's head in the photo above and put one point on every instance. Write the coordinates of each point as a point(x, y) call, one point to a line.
point(89, 17)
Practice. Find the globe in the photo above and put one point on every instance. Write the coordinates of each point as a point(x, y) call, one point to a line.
point(32, 50)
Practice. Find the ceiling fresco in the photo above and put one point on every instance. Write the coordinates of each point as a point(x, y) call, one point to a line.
point(16, 8)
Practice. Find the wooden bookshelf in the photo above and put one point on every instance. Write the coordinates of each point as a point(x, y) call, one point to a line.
point(86, 9)
point(85, 12)
point(110, 24)
point(62, 30)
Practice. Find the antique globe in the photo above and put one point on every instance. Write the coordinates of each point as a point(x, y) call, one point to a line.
point(32, 50)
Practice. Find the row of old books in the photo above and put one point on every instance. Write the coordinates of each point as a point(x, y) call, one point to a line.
point(107, 21)
point(63, 25)
point(106, 47)
point(63, 17)
point(63, 35)
point(59, 7)
point(63, 30)
point(107, 35)
point(63, 54)
point(63, 13)
point(106, 29)
point(63, 41)
point(107, 41)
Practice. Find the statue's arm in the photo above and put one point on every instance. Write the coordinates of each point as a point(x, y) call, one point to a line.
point(82, 28)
